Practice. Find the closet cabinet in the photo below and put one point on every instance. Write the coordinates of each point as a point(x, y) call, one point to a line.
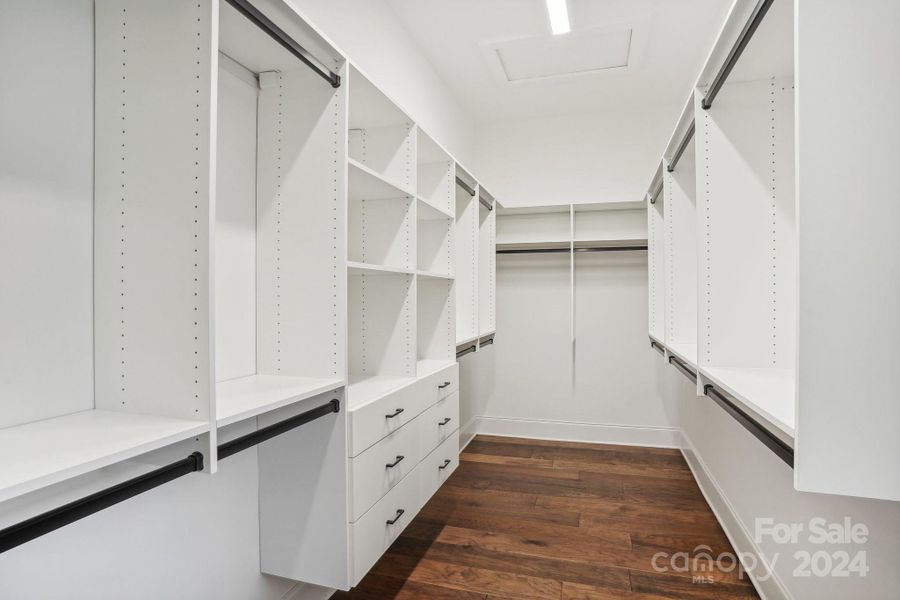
point(750, 266)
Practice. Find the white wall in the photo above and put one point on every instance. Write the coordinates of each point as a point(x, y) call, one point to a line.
point(372, 36)
point(595, 157)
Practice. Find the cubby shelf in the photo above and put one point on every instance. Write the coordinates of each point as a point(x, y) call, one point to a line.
point(434, 275)
point(428, 211)
point(367, 184)
point(45, 452)
point(768, 392)
point(360, 268)
point(247, 397)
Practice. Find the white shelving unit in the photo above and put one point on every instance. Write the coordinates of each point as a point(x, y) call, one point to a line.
point(487, 264)
point(466, 238)
point(656, 262)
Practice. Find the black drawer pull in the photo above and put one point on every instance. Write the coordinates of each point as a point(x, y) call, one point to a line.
point(394, 414)
point(445, 384)
point(400, 512)
point(445, 421)
point(396, 462)
point(446, 464)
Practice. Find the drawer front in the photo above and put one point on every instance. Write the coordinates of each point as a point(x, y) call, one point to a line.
point(373, 533)
point(381, 417)
point(438, 466)
point(438, 422)
point(376, 470)
point(441, 384)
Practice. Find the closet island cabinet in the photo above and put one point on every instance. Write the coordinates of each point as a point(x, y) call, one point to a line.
point(229, 224)
point(773, 260)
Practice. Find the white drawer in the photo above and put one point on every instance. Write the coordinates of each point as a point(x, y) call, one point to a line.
point(375, 471)
point(438, 422)
point(373, 533)
point(440, 384)
point(438, 466)
point(371, 422)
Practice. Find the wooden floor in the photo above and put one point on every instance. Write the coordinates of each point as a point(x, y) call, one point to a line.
point(556, 520)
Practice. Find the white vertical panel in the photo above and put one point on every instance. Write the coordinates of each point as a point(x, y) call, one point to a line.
point(848, 142)
point(380, 232)
point(656, 267)
point(235, 234)
point(155, 81)
point(466, 240)
point(681, 246)
point(486, 269)
point(436, 330)
point(435, 245)
point(381, 323)
point(46, 209)
point(301, 226)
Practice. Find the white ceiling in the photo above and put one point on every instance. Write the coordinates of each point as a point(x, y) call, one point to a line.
point(670, 41)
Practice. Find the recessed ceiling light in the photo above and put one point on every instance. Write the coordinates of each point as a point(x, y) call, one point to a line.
point(559, 16)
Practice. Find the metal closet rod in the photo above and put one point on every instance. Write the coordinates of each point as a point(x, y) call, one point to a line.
point(44, 523)
point(567, 250)
point(461, 183)
point(750, 27)
point(286, 41)
point(657, 346)
point(467, 350)
point(654, 193)
point(769, 439)
point(684, 142)
point(486, 342)
point(686, 370)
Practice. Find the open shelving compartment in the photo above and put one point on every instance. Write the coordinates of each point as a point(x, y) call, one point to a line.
point(435, 173)
point(680, 189)
point(106, 341)
point(747, 228)
point(542, 226)
point(278, 226)
point(382, 138)
point(434, 210)
point(466, 270)
point(487, 264)
point(656, 261)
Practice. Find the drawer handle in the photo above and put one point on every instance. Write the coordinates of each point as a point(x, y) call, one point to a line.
point(395, 463)
point(446, 464)
point(445, 384)
point(400, 512)
point(445, 421)
point(394, 414)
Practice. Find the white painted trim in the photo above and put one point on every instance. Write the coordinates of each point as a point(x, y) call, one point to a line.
point(308, 591)
point(566, 431)
point(741, 539)
point(467, 433)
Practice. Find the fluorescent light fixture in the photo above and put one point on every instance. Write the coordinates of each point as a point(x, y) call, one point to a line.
point(559, 16)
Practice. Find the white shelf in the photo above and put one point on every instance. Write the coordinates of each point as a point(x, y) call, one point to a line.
point(430, 212)
point(367, 184)
point(359, 268)
point(686, 352)
point(770, 393)
point(467, 340)
point(560, 244)
point(428, 366)
point(487, 333)
point(247, 397)
point(365, 388)
point(45, 452)
point(609, 242)
point(434, 275)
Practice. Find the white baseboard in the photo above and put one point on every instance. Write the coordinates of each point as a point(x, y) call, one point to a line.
point(743, 542)
point(596, 433)
point(308, 591)
point(467, 432)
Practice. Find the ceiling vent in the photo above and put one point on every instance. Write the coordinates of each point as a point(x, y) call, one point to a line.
point(589, 52)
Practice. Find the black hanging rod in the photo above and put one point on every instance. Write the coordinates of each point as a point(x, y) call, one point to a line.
point(461, 183)
point(486, 341)
point(286, 41)
point(686, 370)
point(485, 203)
point(266, 433)
point(750, 27)
point(654, 193)
point(467, 350)
point(684, 142)
point(567, 250)
point(658, 347)
point(44, 523)
point(770, 440)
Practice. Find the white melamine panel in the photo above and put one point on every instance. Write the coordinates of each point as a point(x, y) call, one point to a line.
point(435, 172)
point(235, 231)
point(246, 397)
point(487, 267)
point(45, 452)
point(466, 272)
point(382, 232)
point(389, 151)
point(656, 268)
point(848, 145)
point(303, 498)
point(301, 226)
point(550, 225)
point(747, 230)
point(369, 107)
point(438, 466)
point(387, 410)
point(382, 325)
point(156, 71)
point(436, 328)
point(374, 472)
point(437, 423)
point(372, 534)
point(609, 225)
point(434, 239)
point(680, 187)
point(46, 209)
